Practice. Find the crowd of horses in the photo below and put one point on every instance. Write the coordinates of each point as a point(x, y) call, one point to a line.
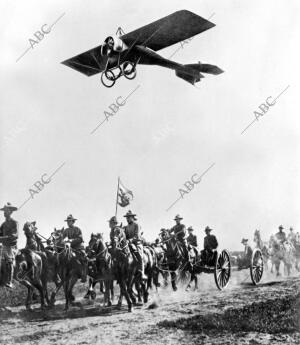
point(54, 261)
point(275, 252)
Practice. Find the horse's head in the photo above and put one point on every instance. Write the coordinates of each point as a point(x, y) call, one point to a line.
point(29, 228)
point(93, 242)
point(165, 234)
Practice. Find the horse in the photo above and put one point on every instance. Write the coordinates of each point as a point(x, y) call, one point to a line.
point(263, 246)
point(31, 271)
point(125, 268)
point(70, 267)
point(100, 268)
point(34, 243)
point(174, 257)
point(284, 252)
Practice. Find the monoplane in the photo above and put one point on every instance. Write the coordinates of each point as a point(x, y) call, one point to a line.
point(120, 54)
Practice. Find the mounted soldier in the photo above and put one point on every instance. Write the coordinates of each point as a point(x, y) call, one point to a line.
point(74, 235)
point(245, 260)
point(292, 236)
point(179, 232)
point(133, 235)
point(8, 238)
point(280, 235)
point(191, 239)
point(210, 245)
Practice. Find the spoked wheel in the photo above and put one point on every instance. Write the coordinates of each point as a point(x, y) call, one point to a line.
point(129, 70)
point(222, 270)
point(108, 78)
point(257, 266)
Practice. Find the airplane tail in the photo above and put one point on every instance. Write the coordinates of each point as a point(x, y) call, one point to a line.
point(192, 72)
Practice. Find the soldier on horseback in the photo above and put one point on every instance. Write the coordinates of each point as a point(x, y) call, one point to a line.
point(245, 260)
point(210, 245)
point(280, 235)
point(133, 235)
point(191, 239)
point(74, 234)
point(8, 238)
point(179, 232)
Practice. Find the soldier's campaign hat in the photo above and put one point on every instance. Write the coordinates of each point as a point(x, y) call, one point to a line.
point(190, 228)
point(113, 220)
point(207, 229)
point(280, 227)
point(70, 217)
point(8, 206)
point(244, 240)
point(177, 217)
point(129, 214)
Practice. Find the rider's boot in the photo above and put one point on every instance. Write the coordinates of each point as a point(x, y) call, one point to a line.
point(142, 270)
point(10, 273)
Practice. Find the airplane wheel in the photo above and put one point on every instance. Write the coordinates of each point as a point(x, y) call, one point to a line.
point(108, 78)
point(129, 70)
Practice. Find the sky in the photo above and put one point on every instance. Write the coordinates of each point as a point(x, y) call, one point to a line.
point(166, 131)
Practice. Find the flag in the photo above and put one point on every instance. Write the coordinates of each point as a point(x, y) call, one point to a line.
point(125, 196)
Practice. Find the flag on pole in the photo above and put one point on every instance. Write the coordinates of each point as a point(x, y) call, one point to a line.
point(125, 196)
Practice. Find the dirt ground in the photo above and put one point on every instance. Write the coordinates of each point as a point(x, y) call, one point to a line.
point(170, 317)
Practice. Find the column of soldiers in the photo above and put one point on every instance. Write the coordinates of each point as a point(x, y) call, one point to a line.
point(73, 234)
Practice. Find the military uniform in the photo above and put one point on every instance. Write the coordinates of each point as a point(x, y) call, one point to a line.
point(209, 245)
point(280, 236)
point(192, 240)
point(9, 234)
point(133, 234)
point(9, 229)
point(74, 234)
point(179, 231)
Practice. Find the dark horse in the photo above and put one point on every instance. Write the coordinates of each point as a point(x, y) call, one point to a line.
point(31, 272)
point(70, 267)
point(175, 261)
point(125, 268)
point(100, 268)
point(35, 244)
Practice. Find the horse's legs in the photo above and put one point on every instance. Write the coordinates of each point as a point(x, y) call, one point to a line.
point(90, 288)
point(72, 282)
point(107, 292)
point(29, 297)
point(173, 281)
point(39, 286)
point(124, 292)
point(58, 285)
point(190, 282)
point(112, 293)
point(66, 291)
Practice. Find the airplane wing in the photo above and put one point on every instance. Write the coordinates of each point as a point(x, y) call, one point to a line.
point(89, 63)
point(169, 30)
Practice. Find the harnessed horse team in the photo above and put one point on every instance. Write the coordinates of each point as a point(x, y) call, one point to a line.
point(127, 259)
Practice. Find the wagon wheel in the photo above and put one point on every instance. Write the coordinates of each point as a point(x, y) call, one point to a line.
point(257, 266)
point(108, 78)
point(222, 270)
point(129, 70)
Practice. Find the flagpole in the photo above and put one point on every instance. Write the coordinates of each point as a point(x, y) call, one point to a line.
point(117, 197)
